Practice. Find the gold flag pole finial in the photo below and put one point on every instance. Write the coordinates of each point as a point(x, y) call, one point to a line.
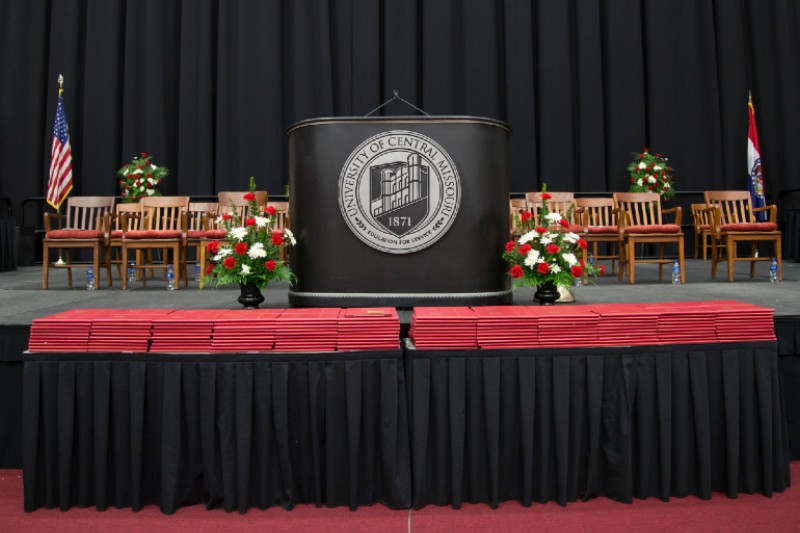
point(60, 84)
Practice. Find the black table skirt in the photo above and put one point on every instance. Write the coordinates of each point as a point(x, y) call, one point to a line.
point(568, 424)
point(231, 431)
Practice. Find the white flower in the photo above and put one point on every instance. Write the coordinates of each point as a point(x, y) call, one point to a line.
point(150, 180)
point(570, 259)
point(657, 168)
point(555, 269)
point(125, 172)
point(553, 218)
point(546, 239)
point(651, 179)
point(639, 182)
point(150, 192)
point(262, 222)
point(571, 237)
point(245, 269)
point(290, 236)
point(222, 253)
point(257, 251)
point(527, 237)
point(666, 185)
point(153, 166)
point(137, 171)
point(238, 233)
point(141, 188)
point(532, 258)
point(642, 165)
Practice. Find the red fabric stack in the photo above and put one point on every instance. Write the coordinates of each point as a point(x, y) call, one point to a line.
point(124, 330)
point(444, 328)
point(506, 326)
point(185, 331)
point(562, 327)
point(62, 332)
point(307, 330)
point(368, 328)
point(245, 331)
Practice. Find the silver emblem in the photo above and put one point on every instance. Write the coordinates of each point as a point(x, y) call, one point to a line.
point(399, 192)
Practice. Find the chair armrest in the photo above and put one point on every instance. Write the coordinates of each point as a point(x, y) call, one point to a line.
point(678, 213)
point(124, 220)
point(623, 220)
point(773, 212)
point(47, 221)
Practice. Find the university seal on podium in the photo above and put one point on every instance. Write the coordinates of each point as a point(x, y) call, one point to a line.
point(399, 192)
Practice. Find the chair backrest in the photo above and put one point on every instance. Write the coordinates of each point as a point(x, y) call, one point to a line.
point(642, 208)
point(134, 223)
point(86, 212)
point(700, 217)
point(562, 203)
point(199, 213)
point(164, 212)
point(234, 202)
point(597, 211)
point(734, 206)
point(516, 206)
point(282, 218)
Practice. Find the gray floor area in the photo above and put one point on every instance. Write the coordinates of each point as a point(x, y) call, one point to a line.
point(22, 298)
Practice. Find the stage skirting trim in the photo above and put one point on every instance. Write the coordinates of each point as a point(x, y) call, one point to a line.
point(230, 431)
point(563, 425)
point(240, 431)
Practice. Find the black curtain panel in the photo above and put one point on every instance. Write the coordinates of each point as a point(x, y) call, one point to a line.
point(209, 87)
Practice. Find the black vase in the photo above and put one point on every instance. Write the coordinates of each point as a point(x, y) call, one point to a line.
point(251, 295)
point(546, 293)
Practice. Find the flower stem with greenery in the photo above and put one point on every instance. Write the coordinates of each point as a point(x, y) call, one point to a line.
point(251, 250)
point(651, 173)
point(140, 178)
point(546, 252)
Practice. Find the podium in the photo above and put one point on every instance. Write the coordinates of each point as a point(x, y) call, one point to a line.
point(399, 211)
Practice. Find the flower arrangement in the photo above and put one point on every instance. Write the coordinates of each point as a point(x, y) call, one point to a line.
point(547, 252)
point(250, 252)
point(140, 178)
point(651, 173)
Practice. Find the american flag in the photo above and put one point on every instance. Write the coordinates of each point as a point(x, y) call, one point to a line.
point(60, 183)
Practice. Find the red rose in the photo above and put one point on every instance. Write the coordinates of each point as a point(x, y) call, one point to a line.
point(546, 196)
point(632, 180)
point(229, 262)
point(227, 216)
point(552, 249)
point(212, 247)
point(270, 210)
point(516, 272)
point(139, 166)
point(250, 222)
point(270, 265)
point(582, 244)
point(143, 155)
point(564, 223)
point(576, 271)
point(149, 185)
point(524, 249)
point(649, 187)
point(240, 248)
point(543, 268)
point(277, 239)
point(149, 175)
point(602, 270)
point(541, 230)
point(646, 150)
point(510, 246)
point(658, 155)
point(527, 215)
point(249, 197)
point(582, 262)
point(209, 268)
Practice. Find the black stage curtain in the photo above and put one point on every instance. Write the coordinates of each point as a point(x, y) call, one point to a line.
point(209, 86)
point(13, 342)
point(234, 431)
point(568, 424)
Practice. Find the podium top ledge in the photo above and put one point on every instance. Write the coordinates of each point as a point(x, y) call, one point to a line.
point(399, 119)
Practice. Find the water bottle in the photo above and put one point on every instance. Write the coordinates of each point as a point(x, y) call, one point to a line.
point(131, 272)
point(676, 272)
point(197, 271)
point(591, 263)
point(578, 281)
point(90, 279)
point(773, 271)
point(170, 278)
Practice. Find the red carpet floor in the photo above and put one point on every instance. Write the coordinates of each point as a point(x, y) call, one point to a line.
point(749, 513)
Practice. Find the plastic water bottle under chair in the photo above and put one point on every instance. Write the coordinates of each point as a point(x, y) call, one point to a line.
point(170, 278)
point(773, 271)
point(90, 285)
point(676, 272)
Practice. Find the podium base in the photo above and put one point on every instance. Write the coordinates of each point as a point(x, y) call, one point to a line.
point(377, 299)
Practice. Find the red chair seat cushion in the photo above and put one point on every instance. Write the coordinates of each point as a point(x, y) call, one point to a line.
point(705, 227)
point(74, 234)
point(652, 229)
point(600, 230)
point(215, 234)
point(116, 234)
point(749, 227)
point(195, 234)
point(576, 228)
point(154, 234)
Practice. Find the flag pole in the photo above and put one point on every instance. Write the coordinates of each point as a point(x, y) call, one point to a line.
point(60, 261)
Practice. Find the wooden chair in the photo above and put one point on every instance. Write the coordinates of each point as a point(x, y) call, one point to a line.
point(199, 220)
point(133, 220)
point(516, 206)
point(83, 226)
point(281, 223)
point(639, 218)
point(600, 222)
point(701, 220)
point(165, 226)
point(733, 221)
point(562, 203)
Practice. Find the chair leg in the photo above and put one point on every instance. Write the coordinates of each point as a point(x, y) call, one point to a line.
point(730, 249)
point(660, 259)
point(45, 266)
point(753, 251)
point(176, 263)
point(680, 260)
point(201, 251)
point(778, 257)
point(69, 268)
point(123, 257)
point(96, 263)
point(631, 255)
point(696, 244)
point(108, 265)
